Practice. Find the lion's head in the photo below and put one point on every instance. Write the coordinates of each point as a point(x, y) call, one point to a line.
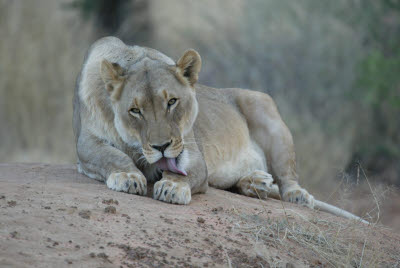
point(154, 105)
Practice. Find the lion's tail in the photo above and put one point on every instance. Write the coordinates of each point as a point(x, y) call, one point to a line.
point(337, 211)
point(322, 206)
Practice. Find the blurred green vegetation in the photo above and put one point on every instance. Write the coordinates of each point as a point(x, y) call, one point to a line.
point(377, 89)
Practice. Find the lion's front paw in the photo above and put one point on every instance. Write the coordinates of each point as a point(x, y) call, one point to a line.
point(172, 192)
point(298, 195)
point(133, 183)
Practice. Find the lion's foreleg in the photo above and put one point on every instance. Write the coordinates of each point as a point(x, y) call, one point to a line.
point(102, 161)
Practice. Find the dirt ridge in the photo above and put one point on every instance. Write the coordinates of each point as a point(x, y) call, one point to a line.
point(51, 216)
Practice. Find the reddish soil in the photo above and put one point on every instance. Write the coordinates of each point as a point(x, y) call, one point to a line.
point(51, 216)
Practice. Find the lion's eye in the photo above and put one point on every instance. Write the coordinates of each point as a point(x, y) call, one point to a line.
point(172, 101)
point(134, 111)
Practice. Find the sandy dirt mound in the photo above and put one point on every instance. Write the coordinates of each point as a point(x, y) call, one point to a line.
point(51, 216)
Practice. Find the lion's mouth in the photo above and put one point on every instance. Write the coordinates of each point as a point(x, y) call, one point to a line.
point(170, 164)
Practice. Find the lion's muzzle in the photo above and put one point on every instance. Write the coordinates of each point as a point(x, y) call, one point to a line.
point(165, 155)
point(161, 148)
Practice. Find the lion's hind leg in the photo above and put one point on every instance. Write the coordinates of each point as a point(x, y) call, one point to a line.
point(258, 184)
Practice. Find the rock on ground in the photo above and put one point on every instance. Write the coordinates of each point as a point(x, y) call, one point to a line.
point(51, 216)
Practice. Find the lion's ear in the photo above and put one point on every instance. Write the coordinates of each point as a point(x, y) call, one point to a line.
point(189, 66)
point(113, 77)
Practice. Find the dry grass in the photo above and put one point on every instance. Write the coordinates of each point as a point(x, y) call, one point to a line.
point(359, 195)
point(345, 243)
point(333, 243)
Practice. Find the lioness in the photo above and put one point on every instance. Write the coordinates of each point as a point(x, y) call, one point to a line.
point(139, 117)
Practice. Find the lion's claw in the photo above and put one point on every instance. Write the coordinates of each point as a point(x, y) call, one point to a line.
point(133, 183)
point(172, 192)
point(299, 196)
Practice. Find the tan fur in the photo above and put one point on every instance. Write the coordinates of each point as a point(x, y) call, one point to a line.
point(222, 137)
point(189, 67)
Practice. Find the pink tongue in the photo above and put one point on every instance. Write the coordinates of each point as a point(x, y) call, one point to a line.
point(170, 164)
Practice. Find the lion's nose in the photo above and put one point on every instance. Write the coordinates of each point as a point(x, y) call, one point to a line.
point(161, 148)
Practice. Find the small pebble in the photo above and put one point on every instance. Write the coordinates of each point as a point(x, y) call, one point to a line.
point(200, 219)
point(110, 209)
point(12, 203)
point(14, 234)
point(110, 201)
point(85, 214)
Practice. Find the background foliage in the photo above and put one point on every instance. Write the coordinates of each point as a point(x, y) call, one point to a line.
point(378, 91)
